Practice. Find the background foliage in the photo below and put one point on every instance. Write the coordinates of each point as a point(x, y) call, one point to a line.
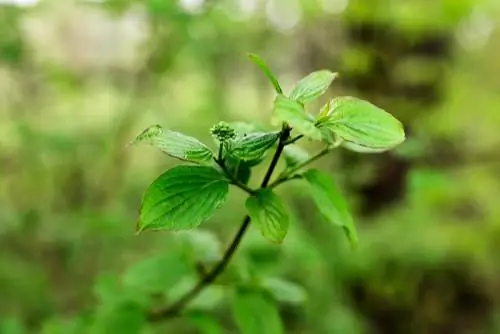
point(78, 79)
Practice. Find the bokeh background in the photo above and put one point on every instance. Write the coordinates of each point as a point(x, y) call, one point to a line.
point(79, 79)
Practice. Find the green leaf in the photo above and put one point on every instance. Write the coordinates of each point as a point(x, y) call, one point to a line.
point(202, 245)
point(254, 145)
point(207, 299)
point(126, 318)
point(330, 202)
point(205, 323)
point(267, 210)
point(242, 170)
point(255, 313)
point(156, 274)
point(312, 86)
point(182, 198)
point(267, 71)
point(293, 113)
point(362, 126)
point(295, 155)
point(175, 144)
point(284, 291)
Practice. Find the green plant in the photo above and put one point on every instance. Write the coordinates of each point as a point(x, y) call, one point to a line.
point(187, 195)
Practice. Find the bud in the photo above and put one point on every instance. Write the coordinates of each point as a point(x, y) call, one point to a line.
point(223, 132)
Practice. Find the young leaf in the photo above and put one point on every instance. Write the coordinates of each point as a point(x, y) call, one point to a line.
point(284, 291)
point(182, 198)
point(175, 144)
point(267, 210)
point(267, 71)
point(330, 202)
point(254, 145)
point(255, 313)
point(293, 113)
point(294, 155)
point(366, 126)
point(312, 86)
point(239, 168)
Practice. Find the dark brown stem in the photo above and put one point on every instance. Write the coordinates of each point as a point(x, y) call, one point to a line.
point(176, 308)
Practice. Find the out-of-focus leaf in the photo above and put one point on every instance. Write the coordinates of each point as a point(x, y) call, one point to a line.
point(312, 86)
point(182, 198)
point(330, 202)
point(175, 144)
point(284, 291)
point(362, 126)
point(254, 145)
point(126, 318)
point(267, 71)
point(295, 155)
point(208, 299)
point(156, 274)
point(10, 325)
point(255, 313)
point(205, 323)
point(268, 211)
point(293, 113)
point(203, 244)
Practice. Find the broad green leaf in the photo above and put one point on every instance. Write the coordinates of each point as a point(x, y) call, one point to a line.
point(366, 126)
point(312, 86)
point(204, 323)
point(156, 274)
point(267, 210)
point(267, 71)
point(254, 145)
point(255, 313)
point(175, 144)
point(284, 291)
point(330, 202)
point(293, 113)
point(182, 198)
point(294, 155)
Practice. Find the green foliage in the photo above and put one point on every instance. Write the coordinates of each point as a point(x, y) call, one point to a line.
point(204, 323)
point(294, 114)
point(295, 155)
point(155, 274)
point(254, 145)
point(330, 202)
point(362, 126)
point(267, 210)
point(255, 313)
point(185, 196)
point(175, 144)
point(267, 72)
point(312, 86)
point(182, 198)
point(284, 291)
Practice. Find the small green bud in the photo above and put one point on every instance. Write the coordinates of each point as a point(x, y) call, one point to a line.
point(223, 132)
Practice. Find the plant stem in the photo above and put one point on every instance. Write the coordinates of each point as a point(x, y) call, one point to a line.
point(176, 308)
point(293, 140)
point(289, 175)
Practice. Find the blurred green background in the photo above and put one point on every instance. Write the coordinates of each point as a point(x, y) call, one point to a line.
point(79, 79)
